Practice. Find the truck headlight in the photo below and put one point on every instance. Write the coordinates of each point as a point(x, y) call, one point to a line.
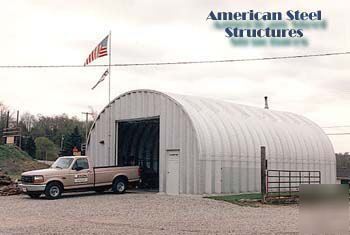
point(38, 179)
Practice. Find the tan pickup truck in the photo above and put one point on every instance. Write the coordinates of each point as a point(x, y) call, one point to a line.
point(76, 173)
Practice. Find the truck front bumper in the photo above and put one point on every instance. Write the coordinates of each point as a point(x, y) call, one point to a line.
point(33, 187)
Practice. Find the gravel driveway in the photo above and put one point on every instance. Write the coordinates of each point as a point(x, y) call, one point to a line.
point(141, 213)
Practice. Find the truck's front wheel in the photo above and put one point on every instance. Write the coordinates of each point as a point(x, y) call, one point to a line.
point(119, 185)
point(53, 190)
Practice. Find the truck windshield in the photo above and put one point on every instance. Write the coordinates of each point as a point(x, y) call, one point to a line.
point(62, 163)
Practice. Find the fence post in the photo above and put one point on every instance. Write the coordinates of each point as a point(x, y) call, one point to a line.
point(263, 173)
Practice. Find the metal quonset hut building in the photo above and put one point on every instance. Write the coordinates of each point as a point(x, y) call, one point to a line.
point(193, 145)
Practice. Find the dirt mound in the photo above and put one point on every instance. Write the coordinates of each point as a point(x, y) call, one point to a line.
point(8, 186)
point(14, 161)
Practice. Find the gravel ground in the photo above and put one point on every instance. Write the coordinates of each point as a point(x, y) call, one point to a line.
point(141, 213)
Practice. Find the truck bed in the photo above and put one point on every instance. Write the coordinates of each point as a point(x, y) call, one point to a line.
point(104, 175)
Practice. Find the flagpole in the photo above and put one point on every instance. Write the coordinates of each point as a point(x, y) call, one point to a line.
point(109, 94)
point(109, 67)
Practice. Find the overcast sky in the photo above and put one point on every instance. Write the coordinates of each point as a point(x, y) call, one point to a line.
point(65, 32)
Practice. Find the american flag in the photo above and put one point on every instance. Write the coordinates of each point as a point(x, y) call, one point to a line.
point(99, 51)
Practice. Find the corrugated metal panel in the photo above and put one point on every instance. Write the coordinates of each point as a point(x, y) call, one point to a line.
point(219, 141)
point(232, 132)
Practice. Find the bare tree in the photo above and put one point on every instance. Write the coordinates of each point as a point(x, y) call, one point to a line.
point(28, 120)
point(3, 117)
point(93, 112)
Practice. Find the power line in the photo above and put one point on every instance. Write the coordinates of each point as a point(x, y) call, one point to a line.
point(348, 133)
point(182, 62)
point(335, 126)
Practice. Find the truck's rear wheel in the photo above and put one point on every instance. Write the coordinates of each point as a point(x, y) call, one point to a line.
point(119, 185)
point(53, 190)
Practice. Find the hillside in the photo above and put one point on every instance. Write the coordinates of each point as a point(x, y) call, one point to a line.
point(14, 161)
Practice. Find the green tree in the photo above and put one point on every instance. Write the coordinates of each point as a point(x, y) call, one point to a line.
point(45, 149)
point(74, 139)
point(28, 145)
point(55, 127)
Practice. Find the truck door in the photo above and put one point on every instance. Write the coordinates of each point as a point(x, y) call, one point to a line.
point(82, 176)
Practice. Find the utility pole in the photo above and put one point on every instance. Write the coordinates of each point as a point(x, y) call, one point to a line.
point(86, 123)
point(62, 141)
point(83, 146)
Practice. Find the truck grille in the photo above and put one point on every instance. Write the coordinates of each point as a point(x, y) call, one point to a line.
point(27, 179)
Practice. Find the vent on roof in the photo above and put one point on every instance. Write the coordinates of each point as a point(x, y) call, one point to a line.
point(266, 103)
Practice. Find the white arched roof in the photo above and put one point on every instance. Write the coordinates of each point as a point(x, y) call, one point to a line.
point(226, 130)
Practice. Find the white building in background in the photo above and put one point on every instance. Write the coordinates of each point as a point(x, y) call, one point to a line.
point(195, 145)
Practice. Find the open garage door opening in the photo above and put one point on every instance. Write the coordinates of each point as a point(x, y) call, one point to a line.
point(138, 144)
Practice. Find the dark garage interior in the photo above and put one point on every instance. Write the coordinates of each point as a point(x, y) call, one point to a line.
point(138, 144)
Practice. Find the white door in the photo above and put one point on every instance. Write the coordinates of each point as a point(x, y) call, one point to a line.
point(172, 178)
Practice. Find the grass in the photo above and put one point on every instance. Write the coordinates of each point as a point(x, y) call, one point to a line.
point(238, 198)
point(14, 161)
point(253, 199)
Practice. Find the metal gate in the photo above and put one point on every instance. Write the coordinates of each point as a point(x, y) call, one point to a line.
point(285, 183)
